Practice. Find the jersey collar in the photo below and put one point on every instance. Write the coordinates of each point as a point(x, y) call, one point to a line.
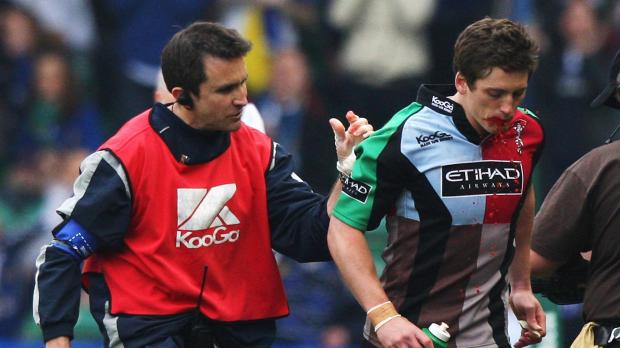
point(435, 98)
point(187, 145)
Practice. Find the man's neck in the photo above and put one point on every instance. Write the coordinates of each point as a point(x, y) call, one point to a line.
point(458, 98)
point(186, 115)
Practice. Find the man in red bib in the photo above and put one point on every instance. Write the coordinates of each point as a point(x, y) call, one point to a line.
point(176, 215)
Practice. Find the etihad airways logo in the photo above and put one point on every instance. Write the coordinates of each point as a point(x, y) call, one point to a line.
point(482, 178)
point(205, 210)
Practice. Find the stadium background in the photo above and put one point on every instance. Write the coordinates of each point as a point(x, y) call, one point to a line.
point(72, 71)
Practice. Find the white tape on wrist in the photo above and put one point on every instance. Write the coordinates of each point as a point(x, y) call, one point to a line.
point(345, 165)
point(385, 321)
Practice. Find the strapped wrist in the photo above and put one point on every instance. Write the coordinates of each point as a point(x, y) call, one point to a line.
point(385, 321)
point(345, 165)
point(380, 314)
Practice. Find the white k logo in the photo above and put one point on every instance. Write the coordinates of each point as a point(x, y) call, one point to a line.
point(201, 208)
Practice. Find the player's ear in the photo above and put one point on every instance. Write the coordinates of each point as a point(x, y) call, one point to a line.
point(461, 83)
point(183, 97)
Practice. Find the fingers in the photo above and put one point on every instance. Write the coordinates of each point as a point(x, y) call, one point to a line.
point(358, 126)
point(338, 128)
point(535, 320)
point(363, 131)
point(532, 321)
point(530, 335)
point(424, 340)
point(399, 332)
point(541, 319)
point(527, 338)
point(534, 328)
point(351, 116)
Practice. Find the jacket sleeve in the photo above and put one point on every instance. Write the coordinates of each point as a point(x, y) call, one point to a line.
point(297, 216)
point(95, 219)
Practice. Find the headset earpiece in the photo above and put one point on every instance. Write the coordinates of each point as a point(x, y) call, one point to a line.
point(185, 99)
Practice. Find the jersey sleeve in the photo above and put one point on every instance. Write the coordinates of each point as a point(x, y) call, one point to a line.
point(560, 229)
point(95, 218)
point(378, 177)
point(297, 216)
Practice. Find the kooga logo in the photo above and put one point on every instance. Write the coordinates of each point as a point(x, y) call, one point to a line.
point(482, 178)
point(442, 104)
point(425, 140)
point(201, 209)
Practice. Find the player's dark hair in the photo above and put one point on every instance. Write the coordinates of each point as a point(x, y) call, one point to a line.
point(490, 43)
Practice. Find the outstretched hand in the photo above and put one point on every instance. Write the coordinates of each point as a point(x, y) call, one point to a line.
point(359, 129)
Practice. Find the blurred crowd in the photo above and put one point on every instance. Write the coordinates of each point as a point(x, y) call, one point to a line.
point(72, 71)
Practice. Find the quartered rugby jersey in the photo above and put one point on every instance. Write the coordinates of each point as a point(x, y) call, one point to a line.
point(451, 201)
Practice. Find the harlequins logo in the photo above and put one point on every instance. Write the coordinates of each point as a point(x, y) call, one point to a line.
point(482, 178)
point(519, 127)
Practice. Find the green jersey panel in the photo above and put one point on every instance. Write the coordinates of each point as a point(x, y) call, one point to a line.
point(356, 203)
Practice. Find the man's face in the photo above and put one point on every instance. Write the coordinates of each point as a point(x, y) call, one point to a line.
point(492, 101)
point(222, 96)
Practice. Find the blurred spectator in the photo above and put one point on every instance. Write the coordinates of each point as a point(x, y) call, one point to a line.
point(570, 75)
point(57, 115)
point(19, 38)
point(323, 312)
point(71, 21)
point(296, 118)
point(34, 188)
point(132, 34)
point(20, 206)
point(609, 13)
point(384, 54)
point(264, 23)
point(282, 106)
point(449, 19)
point(304, 25)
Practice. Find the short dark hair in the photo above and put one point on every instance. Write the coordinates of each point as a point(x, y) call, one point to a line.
point(182, 57)
point(490, 43)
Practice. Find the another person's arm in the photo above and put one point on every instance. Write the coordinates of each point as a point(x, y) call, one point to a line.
point(561, 228)
point(298, 217)
point(542, 266)
point(523, 301)
point(95, 217)
point(562, 231)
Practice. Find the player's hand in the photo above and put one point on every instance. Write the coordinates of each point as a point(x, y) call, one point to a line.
point(58, 342)
point(401, 333)
point(345, 140)
point(531, 317)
